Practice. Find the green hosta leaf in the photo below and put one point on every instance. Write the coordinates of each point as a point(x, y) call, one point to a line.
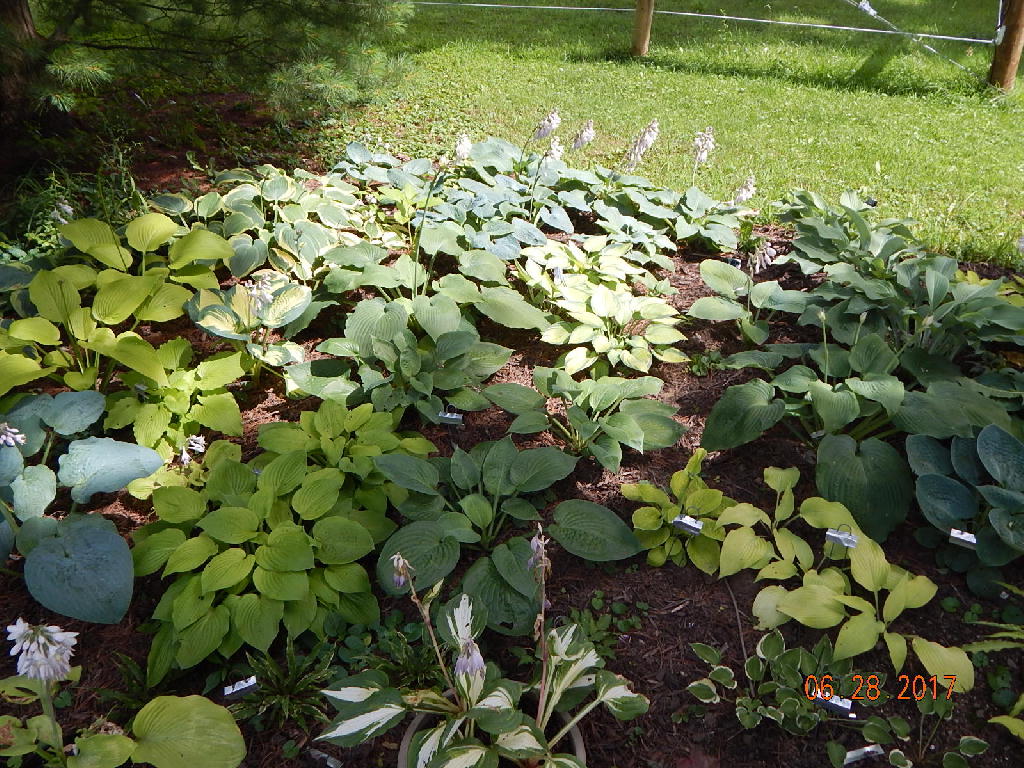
point(288, 548)
point(743, 549)
point(941, 661)
point(219, 371)
point(872, 355)
point(870, 478)
point(257, 619)
point(592, 532)
point(153, 551)
point(1003, 456)
point(515, 398)
point(37, 329)
point(813, 606)
point(339, 540)
point(284, 474)
point(19, 370)
point(766, 609)
point(149, 231)
point(716, 308)
point(183, 732)
point(742, 414)
point(82, 569)
point(537, 469)
point(33, 491)
point(178, 505)
point(507, 307)
point(883, 389)
point(102, 465)
point(281, 585)
point(724, 279)
point(232, 525)
point(226, 569)
point(414, 474)
point(199, 244)
point(432, 554)
point(97, 238)
point(190, 554)
point(102, 750)
point(219, 412)
point(55, 298)
point(834, 409)
point(868, 565)
point(945, 502)
point(858, 635)
point(1014, 725)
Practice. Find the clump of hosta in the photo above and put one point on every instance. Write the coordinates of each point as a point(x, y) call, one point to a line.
point(485, 717)
point(626, 330)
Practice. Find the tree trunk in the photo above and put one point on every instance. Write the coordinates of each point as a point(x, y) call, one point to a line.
point(19, 63)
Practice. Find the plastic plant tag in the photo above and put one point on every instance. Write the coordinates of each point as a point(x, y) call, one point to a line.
point(963, 538)
point(241, 688)
point(843, 538)
point(836, 706)
point(687, 524)
point(323, 757)
point(447, 417)
point(855, 755)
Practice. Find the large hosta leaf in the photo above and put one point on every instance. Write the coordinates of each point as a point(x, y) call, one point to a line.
point(870, 478)
point(82, 570)
point(1003, 456)
point(742, 414)
point(592, 532)
point(431, 553)
point(102, 465)
point(185, 732)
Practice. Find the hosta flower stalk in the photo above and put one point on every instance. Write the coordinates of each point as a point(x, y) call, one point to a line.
point(585, 136)
point(642, 145)
point(44, 654)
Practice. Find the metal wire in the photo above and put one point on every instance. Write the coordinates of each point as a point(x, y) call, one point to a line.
point(894, 30)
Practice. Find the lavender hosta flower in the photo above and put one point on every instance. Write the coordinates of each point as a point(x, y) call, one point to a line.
point(641, 145)
point(9, 436)
point(703, 146)
point(400, 570)
point(763, 257)
point(462, 148)
point(746, 191)
point(470, 662)
point(44, 651)
point(585, 136)
point(547, 126)
point(539, 558)
point(865, 6)
point(557, 150)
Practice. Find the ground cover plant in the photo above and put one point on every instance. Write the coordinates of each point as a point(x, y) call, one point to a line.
point(459, 390)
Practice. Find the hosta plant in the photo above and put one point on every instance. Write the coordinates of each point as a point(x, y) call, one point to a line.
point(486, 717)
point(398, 367)
point(601, 415)
point(974, 484)
point(77, 565)
point(624, 329)
point(271, 545)
point(688, 495)
point(752, 305)
point(471, 499)
point(165, 417)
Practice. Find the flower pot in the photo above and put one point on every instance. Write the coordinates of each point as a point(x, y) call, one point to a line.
point(425, 720)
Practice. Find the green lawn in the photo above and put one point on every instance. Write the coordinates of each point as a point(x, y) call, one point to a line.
point(819, 109)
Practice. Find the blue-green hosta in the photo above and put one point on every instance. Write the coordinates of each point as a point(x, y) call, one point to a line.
point(601, 415)
point(273, 543)
point(974, 484)
point(78, 565)
point(471, 499)
point(490, 718)
point(398, 367)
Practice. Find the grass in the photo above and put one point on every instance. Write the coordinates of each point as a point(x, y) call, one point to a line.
point(821, 109)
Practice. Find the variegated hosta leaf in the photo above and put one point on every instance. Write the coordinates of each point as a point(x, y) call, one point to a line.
point(360, 721)
point(614, 691)
point(525, 741)
point(425, 744)
point(563, 761)
point(467, 754)
point(355, 688)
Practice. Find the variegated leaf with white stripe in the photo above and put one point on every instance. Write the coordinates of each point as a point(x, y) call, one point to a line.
point(471, 754)
point(563, 761)
point(355, 687)
point(360, 721)
point(614, 691)
point(524, 742)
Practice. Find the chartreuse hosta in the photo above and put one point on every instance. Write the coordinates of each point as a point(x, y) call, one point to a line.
point(690, 496)
point(471, 500)
point(488, 718)
point(78, 565)
point(67, 312)
point(601, 415)
point(165, 417)
point(273, 543)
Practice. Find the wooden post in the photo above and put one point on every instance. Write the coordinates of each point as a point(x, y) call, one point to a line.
point(642, 26)
point(1008, 52)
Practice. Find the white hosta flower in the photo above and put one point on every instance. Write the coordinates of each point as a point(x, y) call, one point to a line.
point(462, 148)
point(547, 126)
point(865, 6)
point(196, 444)
point(747, 191)
point(9, 436)
point(557, 150)
point(641, 145)
point(539, 558)
point(764, 257)
point(44, 651)
point(401, 569)
point(261, 292)
point(585, 136)
point(703, 146)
